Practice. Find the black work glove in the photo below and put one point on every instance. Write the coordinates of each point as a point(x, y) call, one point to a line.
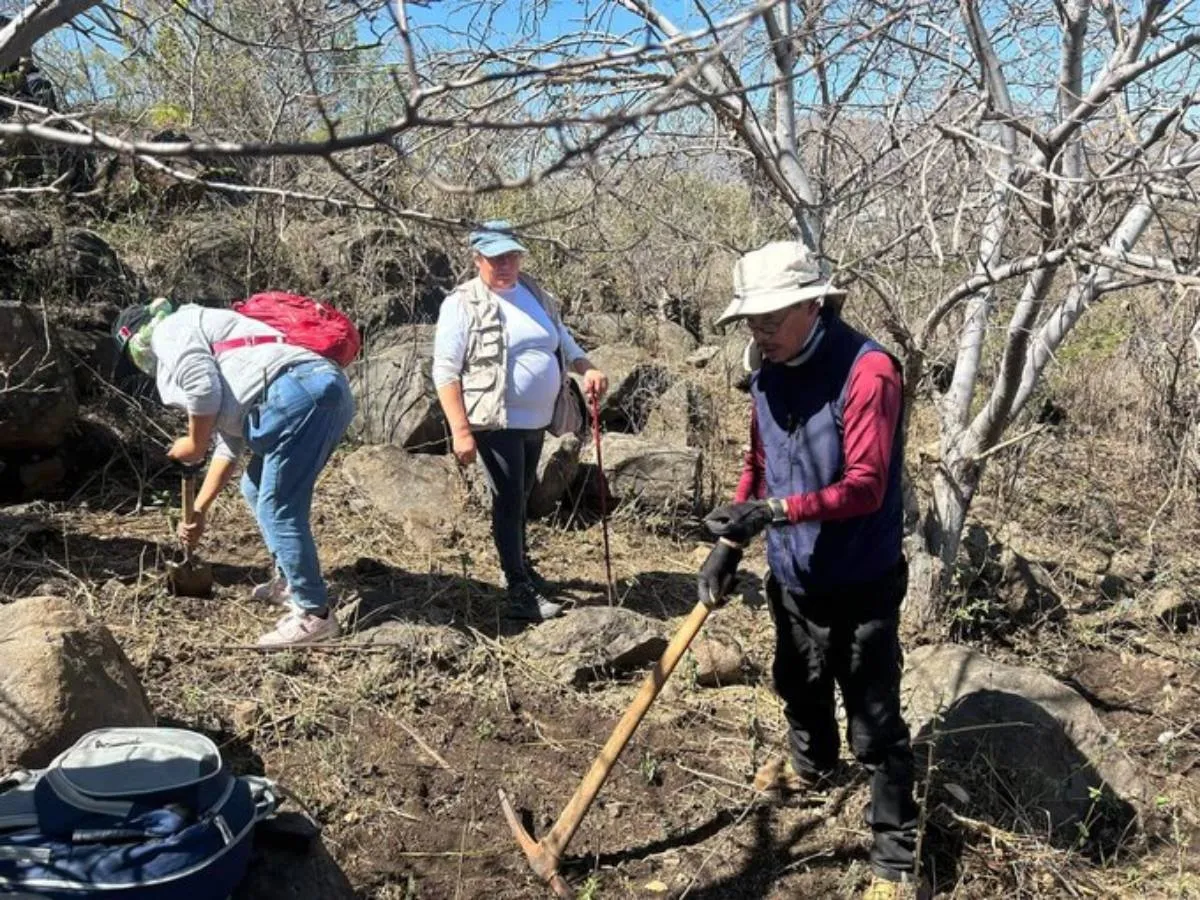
point(740, 522)
point(717, 573)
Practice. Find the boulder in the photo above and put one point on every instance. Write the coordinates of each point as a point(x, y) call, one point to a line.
point(416, 491)
point(22, 230)
point(646, 474)
point(61, 675)
point(39, 403)
point(635, 383)
point(684, 415)
point(597, 329)
point(81, 271)
point(393, 388)
point(720, 661)
point(1039, 737)
point(594, 642)
point(416, 642)
point(673, 341)
point(557, 470)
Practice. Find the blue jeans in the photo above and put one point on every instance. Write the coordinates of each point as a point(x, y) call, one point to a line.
point(292, 433)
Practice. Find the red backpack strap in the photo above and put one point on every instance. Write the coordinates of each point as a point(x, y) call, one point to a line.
point(252, 341)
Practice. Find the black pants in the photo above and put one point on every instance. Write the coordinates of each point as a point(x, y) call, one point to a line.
point(510, 458)
point(851, 637)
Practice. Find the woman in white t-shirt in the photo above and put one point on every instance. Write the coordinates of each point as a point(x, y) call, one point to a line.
point(497, 371)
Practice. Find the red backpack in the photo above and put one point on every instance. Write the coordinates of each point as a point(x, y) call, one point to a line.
point(304, 322)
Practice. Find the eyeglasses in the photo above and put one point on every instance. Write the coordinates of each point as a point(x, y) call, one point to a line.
point(767, 325)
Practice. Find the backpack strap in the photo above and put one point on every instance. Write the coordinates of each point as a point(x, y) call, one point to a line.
point(252, 341)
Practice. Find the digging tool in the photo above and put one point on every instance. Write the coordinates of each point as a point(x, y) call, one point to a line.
point(544, 855)
point(602, 483)
point(189, 578)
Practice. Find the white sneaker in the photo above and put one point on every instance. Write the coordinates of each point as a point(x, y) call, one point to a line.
point(275, 591)
point(297, 628)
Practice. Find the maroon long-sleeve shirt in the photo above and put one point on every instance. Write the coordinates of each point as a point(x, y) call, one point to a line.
point(873, 404)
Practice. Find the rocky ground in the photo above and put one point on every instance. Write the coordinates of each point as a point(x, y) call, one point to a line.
point(1054, 709)
point(398, 737)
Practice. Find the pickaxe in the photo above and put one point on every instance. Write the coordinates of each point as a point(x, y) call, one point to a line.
point(544, 855)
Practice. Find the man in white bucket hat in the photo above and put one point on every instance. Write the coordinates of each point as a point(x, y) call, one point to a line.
point(822, 477)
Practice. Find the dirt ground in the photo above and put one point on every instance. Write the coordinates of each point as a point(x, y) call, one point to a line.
point(400, 754)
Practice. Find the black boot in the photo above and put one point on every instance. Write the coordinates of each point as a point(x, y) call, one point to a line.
point(527, 603)
point(544, 587)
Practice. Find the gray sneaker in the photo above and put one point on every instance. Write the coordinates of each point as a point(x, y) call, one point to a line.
point(526, 603)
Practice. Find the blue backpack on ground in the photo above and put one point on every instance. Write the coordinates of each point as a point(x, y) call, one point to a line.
point(130, 813)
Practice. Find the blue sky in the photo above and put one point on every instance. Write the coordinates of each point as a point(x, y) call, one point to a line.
point(512, 21)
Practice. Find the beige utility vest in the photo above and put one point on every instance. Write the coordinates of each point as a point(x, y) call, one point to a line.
point(485, 366)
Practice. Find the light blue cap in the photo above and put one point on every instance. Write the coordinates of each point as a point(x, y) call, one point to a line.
point(495, 238)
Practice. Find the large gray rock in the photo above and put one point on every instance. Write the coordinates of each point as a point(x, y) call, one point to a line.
point(393, 387)
point(657, 479)
point(557, 470)
point(80, 268)
point(418, 492)
point(61, 676)
point(635, 382)
point(1039, 737)
point(673, 342)
point(38, 404)
point(418, 642)
point(22, 230)
point(594, 642)
point(684, 415)
point(597, 329)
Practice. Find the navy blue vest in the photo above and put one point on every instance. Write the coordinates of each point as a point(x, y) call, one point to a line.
point(800, 423)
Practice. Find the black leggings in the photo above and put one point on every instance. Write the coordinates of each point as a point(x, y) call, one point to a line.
point(510, 458)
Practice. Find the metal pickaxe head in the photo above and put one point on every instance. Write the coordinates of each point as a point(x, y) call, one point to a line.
point(543, 860)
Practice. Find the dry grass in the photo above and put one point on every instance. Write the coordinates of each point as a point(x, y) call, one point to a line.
point(399, 754)
point(399, 751)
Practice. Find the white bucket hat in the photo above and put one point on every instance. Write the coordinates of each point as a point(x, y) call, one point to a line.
point(774, 277)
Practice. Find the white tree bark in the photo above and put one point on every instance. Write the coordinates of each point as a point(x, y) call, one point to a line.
point(34, 22)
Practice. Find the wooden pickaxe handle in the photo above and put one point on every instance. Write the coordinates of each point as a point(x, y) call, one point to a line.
point(187, 491)
point(572, 815)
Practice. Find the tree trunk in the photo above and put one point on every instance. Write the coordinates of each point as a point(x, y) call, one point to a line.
point(932, 552)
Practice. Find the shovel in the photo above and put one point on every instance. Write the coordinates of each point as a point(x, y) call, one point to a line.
point(189, 578)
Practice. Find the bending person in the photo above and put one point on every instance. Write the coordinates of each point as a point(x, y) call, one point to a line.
point(288, 405)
